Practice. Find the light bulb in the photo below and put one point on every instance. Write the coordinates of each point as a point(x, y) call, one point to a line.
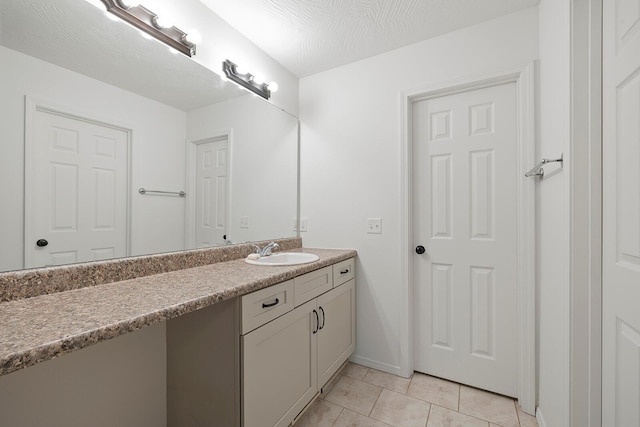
point(194, 37)
point(273, 87)
point(258, 79)
point(163, 22)
point(240, 70)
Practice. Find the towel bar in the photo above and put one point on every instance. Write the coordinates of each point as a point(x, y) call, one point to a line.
point(537, 170)
point(143, 191)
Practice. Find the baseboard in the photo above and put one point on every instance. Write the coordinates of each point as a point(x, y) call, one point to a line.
point(370, 363)
point(540, 418)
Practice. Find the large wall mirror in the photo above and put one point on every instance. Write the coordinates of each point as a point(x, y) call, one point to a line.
point(91, 112)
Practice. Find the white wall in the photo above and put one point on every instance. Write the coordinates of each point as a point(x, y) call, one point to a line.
point(120, 382)
point(351, 159)
point(157, 156)
point(264, 164)
point(552, 213)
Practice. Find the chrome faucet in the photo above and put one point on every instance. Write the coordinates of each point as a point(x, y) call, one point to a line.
point(266, 251)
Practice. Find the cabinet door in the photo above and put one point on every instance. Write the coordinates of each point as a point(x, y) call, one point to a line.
point(280, 368)
point(337, 336)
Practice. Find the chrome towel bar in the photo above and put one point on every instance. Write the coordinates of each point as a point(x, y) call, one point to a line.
point(144, 191)
point(537, 170)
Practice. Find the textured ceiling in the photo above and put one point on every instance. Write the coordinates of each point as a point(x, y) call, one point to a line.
point(309, 36)
point(306, 36)
point(80, 37)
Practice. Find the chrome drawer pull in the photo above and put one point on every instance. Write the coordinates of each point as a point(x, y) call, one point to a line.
point(271, 304)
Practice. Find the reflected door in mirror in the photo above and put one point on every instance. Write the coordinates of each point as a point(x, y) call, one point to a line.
point(76, 184)
point(212, 160)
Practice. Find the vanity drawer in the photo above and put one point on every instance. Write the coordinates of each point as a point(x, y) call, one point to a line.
point(262, 306)
point(311, 285)
point(343, 271)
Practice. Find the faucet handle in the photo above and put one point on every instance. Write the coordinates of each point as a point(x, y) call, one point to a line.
point(257, 248)
point(266, 251)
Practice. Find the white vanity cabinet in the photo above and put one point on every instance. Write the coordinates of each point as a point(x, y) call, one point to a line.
point(279, 374)
point(258, 360)
point(287, 361)
point(337, 335)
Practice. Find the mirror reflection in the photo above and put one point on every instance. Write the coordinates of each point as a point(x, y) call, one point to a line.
point(92, 112)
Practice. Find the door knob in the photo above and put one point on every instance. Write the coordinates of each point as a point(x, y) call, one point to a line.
point(420, 249)
point(42, 243)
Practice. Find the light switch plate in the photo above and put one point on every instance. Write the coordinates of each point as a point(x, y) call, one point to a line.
point(374, 226)
point(302, 222)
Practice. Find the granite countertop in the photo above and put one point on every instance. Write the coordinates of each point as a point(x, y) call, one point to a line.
point(37, 329)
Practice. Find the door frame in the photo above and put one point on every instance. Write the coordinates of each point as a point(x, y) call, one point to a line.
point(190, 210)
point(585, 210)
point(523, 77)
point(32, 106)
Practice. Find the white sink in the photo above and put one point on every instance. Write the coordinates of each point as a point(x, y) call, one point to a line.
point(284, 258)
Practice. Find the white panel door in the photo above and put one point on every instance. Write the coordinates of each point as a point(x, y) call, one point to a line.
point(211, 193)
point(465, 217)
point(76, 191)
point(621, 214)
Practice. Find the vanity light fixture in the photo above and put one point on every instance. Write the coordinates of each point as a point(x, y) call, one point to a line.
point(248, 80)
point(147, 21)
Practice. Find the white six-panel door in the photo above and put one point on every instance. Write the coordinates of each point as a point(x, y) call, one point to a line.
point(621, 214)
point(76, 190)
point(212, 160)
point(465, 216)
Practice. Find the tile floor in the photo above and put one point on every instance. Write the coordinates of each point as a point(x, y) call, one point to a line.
point(363, 397)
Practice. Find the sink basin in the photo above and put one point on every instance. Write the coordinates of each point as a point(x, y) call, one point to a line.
point(284, 258)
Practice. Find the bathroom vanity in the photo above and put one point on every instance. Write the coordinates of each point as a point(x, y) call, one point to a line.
point(285, 342)
point(245, 345)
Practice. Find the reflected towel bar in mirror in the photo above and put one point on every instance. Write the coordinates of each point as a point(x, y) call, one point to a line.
point(144, 191)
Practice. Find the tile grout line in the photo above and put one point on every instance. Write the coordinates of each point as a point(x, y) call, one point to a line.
point(466, 415)
point(515, 402)
point(410, 382)
point(377, 398)
point(382, 388)
point(338, 417)
point(426, 423)
point(374, 403)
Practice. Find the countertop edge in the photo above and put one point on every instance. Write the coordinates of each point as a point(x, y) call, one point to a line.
point(52, 349)
point(29, 283)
